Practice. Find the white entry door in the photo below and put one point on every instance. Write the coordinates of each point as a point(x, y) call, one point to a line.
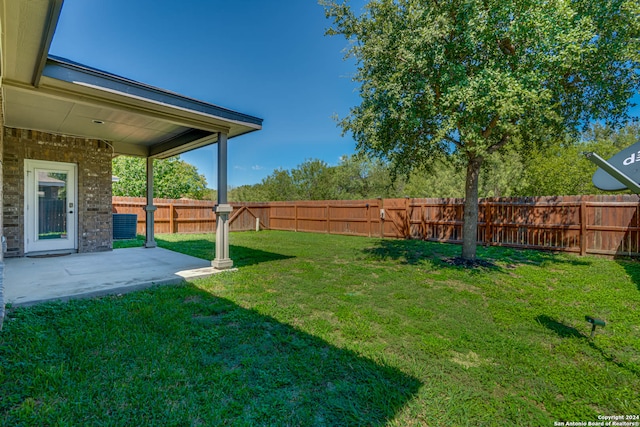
point(50, 206)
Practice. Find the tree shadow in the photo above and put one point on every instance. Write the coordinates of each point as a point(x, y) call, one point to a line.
point(187, 357)
point(414, 252)
point(538, 256)
point(410, 252)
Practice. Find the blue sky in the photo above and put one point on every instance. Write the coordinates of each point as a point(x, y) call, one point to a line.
point(269, 59)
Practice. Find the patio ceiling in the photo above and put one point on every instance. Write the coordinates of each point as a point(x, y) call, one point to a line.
point(52, 94)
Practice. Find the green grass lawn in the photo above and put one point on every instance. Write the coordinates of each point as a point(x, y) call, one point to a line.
point(330, 330)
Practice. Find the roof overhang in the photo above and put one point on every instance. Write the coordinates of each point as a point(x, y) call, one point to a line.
point(52, 94)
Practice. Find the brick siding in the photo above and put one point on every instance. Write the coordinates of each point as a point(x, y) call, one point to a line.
point(93, 160)
point(1, 204)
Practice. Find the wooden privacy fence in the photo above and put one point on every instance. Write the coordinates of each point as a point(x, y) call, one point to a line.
point(607, 225)
point(191, 216)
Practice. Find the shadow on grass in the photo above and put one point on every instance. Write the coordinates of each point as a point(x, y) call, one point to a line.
point(564, 331)
point(536, 257)
point(409, 251)
point(631, 266)
point(242, 256)
point(415, 252)
point(180, 356)
point(419, 251)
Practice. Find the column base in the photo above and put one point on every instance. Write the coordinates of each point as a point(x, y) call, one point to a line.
point(150, 241)
point(222, 264)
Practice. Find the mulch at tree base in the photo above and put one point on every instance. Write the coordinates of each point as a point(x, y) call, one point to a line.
point(469, 263)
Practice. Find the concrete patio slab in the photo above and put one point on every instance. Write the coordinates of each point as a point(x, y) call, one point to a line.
point(30, 281)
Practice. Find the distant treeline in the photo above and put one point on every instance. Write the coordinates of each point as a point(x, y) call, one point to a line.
point(558, 169)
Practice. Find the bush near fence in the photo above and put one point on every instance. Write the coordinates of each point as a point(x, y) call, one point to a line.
point(606, 225)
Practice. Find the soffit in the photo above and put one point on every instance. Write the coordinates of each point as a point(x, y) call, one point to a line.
point(30, 109)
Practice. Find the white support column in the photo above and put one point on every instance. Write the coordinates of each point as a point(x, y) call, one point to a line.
point(150, 209)
point(222, 209)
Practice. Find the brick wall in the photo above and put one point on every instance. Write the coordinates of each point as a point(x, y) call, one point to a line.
point(93, 159)
point(1, 175)
point(1, 204)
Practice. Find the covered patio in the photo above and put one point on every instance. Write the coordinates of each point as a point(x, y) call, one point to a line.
point(63, 122)
point(63, 118)
point(32, 280)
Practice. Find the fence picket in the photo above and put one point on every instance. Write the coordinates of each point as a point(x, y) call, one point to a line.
point(581, 224)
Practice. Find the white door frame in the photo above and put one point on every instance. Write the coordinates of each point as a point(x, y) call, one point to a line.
point(31, 241)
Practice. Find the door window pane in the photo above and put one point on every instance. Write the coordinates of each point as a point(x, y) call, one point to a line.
point(52, 205)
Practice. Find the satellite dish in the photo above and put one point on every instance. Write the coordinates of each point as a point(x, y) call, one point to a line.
point(626, 164)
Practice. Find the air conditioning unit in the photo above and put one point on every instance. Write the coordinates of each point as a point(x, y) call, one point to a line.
point(124, 226)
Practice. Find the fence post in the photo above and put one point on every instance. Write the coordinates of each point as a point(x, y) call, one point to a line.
point(529, 225)
point(328, 218)
point(488, 219)
point(423, 220)
point(368, 212)
point(172, 227)
point(583, 227)
point(407, 215)
point(381, 217)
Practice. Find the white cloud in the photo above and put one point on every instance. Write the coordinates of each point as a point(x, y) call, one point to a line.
point(257, 167)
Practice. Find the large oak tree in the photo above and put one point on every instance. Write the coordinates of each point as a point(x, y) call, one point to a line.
point(472, 77)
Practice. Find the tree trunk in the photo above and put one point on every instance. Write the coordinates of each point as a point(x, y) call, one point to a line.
point(470, 226)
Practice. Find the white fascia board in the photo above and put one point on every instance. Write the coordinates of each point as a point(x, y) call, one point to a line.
point(66, 71)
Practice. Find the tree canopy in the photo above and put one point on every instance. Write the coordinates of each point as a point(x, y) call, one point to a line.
point(470, 78)
point(172, 178)
point(355, 177)
point(556, 169)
